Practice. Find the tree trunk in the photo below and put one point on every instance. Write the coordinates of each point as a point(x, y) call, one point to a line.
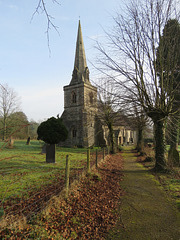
point(140, 140)
point(50, 153)
point(111, 136)
point(159, 137)
point(4, 130)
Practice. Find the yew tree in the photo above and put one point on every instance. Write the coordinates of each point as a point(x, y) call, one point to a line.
point(168, 58)
point(52, 132)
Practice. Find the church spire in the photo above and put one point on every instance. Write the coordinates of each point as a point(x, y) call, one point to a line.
point(81, 71)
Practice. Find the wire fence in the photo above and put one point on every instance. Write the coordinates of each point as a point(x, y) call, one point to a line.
point(27, 205)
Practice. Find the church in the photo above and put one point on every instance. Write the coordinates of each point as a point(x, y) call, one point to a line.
point(80, 108)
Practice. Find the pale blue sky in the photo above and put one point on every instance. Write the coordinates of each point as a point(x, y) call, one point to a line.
point(25, 64)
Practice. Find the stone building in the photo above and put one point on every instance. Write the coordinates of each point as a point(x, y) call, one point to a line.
point(80, 107)
point(123, 133)
point(80, 101)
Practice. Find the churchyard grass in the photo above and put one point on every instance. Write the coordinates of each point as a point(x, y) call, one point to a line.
point(170, 180)
point(24, 169)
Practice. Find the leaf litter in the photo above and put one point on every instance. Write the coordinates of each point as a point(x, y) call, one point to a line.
point(89, 212)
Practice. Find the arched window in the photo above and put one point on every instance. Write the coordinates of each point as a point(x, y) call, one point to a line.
point(74, 133)
point(74, 97)
point(91, 98)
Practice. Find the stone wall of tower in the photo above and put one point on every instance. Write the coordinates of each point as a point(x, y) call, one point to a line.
point(72, 124)
point(90, 110)
point(80, 101)
point(80, 106)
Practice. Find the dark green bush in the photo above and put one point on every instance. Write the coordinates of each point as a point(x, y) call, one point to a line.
point(52, 131)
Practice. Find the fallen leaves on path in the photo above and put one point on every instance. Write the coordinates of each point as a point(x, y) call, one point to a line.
point(88, 213)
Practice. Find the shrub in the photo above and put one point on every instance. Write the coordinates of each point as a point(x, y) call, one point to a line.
point(52, 131)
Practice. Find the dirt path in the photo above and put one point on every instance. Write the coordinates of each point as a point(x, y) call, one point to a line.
point(146, 212)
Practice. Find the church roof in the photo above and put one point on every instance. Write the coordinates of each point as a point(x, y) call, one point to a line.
point(81, 71)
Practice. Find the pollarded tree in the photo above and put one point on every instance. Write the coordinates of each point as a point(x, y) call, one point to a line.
point(108, 110)
point(107, 116)
point(130, 60)
point(52, 132)
point(139, 121)
point(117, 107)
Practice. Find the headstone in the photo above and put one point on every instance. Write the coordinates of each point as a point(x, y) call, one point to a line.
point(11, 143)
point(43, 151)
point(28, 141)
point(50, 153)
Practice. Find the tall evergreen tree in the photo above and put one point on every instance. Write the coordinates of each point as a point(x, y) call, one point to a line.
point(130, 59)
point(168, 64)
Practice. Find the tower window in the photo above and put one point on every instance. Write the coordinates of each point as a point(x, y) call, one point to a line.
point(74, 98)
point(74, 133)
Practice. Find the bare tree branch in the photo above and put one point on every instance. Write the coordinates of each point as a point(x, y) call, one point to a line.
point(130, 59)
point(41, 8)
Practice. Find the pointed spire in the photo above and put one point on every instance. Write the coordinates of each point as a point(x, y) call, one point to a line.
point(81, 71)
point(80, 58)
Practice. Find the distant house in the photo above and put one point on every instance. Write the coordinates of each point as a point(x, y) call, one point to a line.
point(80, 108)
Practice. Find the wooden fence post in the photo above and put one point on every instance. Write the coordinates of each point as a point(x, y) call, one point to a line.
point(88, 160)
point(96, 158)
point(67, 176)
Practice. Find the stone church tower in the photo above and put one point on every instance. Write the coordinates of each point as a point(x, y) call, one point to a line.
point(80, 102)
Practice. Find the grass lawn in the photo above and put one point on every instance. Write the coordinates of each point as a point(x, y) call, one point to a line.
point(24, 169)
point(169, 180)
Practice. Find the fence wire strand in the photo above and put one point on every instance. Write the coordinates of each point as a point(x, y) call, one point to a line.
point(38, 199)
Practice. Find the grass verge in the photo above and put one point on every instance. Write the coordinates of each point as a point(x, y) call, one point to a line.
point(170, 180)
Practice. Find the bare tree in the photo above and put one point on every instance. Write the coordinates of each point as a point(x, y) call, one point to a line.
point(139, 121)
point(130, 59)
point(107, 116)
point(9, 103)
point(118, 107)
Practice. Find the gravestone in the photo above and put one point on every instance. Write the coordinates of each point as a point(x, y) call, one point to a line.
point(43, 151)
point(11, 143)
point(28, 141)
point(50, 153)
